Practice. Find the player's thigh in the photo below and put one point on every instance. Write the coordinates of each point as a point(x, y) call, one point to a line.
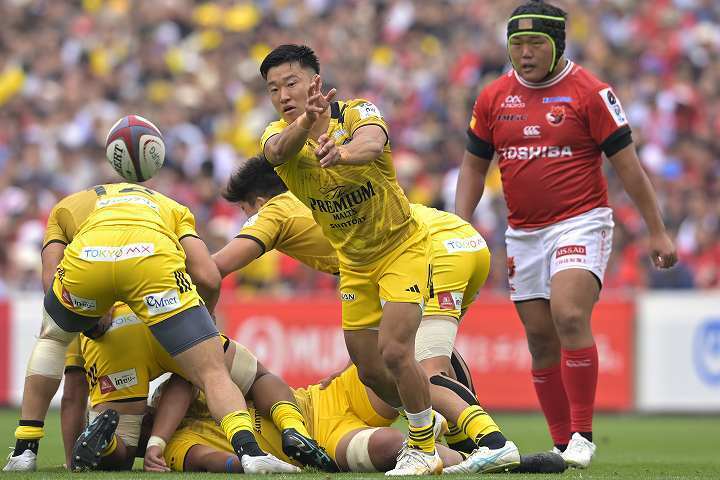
point(527, 264)
point(406, 275)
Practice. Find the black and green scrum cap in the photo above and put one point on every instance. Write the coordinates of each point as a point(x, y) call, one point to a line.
point(551, 27)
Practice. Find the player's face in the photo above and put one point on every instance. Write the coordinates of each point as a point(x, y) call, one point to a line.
point(288, 86)
point(532, 56)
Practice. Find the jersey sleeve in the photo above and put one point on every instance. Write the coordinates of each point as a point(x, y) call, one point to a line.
point(360, 113)
point(480, 141)
point(271, 130)
point(185, 222)
point(607, 121)
point(265, 227)
point(55, 231)
point(73, 357)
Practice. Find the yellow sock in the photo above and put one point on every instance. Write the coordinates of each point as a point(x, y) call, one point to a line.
point(422, 438)
point(476, 423)
point(24, 432)
point(455, 434)
point(236, 421)
point(287, 415)
point(112, 446)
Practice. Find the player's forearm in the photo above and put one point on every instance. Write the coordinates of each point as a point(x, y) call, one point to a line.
point(174, 402)
point(360, 152)
point(640, 190)
point(72, 411)
point(289, 142)
point(470, 188)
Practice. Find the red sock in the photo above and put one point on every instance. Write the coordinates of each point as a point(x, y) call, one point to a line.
point(580, 375)
point(550, 391)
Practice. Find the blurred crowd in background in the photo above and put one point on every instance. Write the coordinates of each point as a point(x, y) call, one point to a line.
point(69, 69)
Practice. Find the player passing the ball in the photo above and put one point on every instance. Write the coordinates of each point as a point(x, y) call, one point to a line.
point(549, 121)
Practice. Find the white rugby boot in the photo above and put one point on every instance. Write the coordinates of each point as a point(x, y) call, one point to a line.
point(411, 461)
point(579, 452)
point(25, 462)
point(266, 464)
point(485, 460)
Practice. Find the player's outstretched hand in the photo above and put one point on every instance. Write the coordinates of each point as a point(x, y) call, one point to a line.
point(317, 101)
point(328, 153)
point(662, 250)
point(154, 461)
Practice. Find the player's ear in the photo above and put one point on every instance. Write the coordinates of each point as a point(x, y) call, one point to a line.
point(260, 201)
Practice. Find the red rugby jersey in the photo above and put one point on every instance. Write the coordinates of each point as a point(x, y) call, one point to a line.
point(549, 139)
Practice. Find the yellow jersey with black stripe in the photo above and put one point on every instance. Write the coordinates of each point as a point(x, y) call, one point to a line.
point(285, 224)
point(362, 210)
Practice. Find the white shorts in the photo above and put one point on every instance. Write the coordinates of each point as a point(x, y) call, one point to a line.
point(534, 256)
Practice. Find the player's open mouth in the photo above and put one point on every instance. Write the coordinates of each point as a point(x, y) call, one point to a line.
point(288, 109)
point(527, 67)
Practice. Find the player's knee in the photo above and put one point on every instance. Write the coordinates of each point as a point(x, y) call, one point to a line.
point(48, 355)
point(544, 346)
point(571, 322)
point(396, 355)
point(383, 447)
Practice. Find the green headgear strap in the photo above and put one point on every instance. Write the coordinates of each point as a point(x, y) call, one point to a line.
point(553, 28)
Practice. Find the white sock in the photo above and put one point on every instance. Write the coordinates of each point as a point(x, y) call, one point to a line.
point(420, 419)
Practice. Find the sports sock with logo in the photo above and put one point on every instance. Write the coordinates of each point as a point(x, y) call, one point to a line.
point(478, 426)
point(580, 375)
point(550, 390)
point(287, 415)
point(28, 435)
point(237, 426)
point(421, 434)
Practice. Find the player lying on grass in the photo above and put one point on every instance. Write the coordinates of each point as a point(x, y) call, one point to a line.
point(346, 418)
point(278, 220)
point(116, 377)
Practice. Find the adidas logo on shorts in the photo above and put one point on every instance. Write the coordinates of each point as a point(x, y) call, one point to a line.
point(414, 289)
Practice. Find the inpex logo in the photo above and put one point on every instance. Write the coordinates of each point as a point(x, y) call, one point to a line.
point(706, 351)
point(162, 302)
point(531, 131)
point(513, 101)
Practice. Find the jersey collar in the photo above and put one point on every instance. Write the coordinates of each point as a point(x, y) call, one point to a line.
point(549, 83)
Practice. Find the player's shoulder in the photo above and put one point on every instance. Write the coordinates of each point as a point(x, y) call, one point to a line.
point(276, 125)
point(585, 81)
point(361, 106)
point(286, 205)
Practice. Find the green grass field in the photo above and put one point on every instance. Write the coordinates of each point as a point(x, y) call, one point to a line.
point(629, 447)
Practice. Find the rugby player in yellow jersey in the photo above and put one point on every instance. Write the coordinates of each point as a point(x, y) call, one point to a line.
point(124, 242)
point(335, 157)
point(460, 267)
point(119, 380)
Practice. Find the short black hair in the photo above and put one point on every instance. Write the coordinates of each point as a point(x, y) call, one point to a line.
point(254, 178)
point(538, 7)
point(289, 53)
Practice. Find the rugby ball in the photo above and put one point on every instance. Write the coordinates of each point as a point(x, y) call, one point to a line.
point(135, 148)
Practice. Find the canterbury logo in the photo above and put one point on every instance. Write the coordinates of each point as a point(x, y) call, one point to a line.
point(414, 289)
point(531, 131)
point(578, 363)
point(182, 282)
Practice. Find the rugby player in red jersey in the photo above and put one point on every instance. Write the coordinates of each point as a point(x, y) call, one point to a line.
point(549, 121)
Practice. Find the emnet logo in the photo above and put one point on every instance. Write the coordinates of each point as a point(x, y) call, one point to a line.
point(162, 302)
